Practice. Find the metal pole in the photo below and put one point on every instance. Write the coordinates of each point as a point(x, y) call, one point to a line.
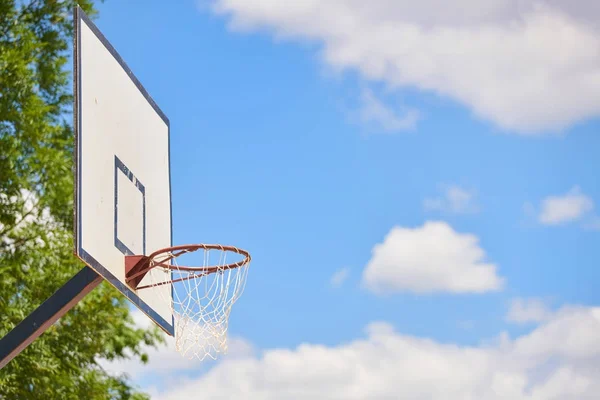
point(47, 314)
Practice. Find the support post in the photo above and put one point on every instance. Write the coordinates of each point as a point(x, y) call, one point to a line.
point(47, 314)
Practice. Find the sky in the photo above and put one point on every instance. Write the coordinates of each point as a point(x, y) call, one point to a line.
point(417, 186)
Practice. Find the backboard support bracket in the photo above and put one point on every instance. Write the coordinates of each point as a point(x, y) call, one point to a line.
point(47, 314)
point(135, 270)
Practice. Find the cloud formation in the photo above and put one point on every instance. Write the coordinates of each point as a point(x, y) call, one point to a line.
point(529, 66)
point(558, 360)
point(339, 277)
point(430, 258)
point(523, 311)
point(376, 114)
point(455, 200)
point(565, 208)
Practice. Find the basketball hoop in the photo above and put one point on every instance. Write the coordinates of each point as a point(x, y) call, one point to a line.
point(201, 296)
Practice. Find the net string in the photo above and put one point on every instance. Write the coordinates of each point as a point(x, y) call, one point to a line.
point(201, 303)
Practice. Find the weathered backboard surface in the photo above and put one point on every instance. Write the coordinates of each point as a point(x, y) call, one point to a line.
point(122, 176)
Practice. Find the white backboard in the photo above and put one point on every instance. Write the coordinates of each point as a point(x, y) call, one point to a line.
point(122, 175)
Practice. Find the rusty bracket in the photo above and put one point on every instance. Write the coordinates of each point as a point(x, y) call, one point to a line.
point(136, 267)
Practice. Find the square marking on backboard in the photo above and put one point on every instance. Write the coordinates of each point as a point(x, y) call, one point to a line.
point(130, 211)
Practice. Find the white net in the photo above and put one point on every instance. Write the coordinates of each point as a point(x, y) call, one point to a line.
point(202, 297)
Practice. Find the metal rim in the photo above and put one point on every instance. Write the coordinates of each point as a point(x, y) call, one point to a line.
point(176, 251)
point(148, 262)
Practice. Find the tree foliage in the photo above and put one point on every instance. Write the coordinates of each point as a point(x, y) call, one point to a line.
point(36, 203)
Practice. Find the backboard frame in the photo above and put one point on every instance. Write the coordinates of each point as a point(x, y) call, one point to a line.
point(79, 18)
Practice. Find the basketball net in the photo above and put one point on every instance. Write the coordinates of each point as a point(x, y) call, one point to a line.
point(201, 298)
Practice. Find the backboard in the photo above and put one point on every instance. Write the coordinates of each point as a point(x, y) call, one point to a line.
point(122, 169)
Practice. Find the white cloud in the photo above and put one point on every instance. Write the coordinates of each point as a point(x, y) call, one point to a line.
point(557, 361)
point(523, 311)
point(375, 113)
point(565, 208)
point(339, 277)
point(431, 258)
point(530, 66)
point(454, 200)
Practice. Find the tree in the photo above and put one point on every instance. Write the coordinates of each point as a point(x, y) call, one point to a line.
point(36, 218)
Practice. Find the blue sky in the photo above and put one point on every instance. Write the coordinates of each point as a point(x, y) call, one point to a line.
point(309, 143)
